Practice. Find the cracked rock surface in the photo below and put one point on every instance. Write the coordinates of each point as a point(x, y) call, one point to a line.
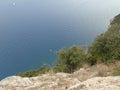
point(79, 80)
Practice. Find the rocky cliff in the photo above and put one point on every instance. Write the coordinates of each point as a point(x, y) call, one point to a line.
point(79, 80)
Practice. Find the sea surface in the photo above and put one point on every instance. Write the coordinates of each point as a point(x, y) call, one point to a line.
point(31, 30)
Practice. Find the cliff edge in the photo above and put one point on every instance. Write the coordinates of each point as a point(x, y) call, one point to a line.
point(82, 79)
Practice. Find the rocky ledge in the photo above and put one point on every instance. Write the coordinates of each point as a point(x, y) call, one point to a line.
point(79, 80)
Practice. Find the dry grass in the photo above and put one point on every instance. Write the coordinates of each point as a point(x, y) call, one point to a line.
point(107, 69)
point(86, 66)
point(102, 69)
point(51, 72)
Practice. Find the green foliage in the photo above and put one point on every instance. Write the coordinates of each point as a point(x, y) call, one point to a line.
point(69, 59)
point(116, 20)
point(90, 59)
point(99, 49)
point(116, 71)
point(106, 47)
point(36, 72)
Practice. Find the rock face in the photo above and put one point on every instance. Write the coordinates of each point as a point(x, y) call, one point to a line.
point(59, 81)
point(80, 80)
point(98, 83)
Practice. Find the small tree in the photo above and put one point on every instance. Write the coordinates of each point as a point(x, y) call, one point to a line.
point(69, 59)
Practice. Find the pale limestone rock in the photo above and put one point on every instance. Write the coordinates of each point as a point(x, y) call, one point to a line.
point(16, 81)
point(62, 81)
point(84, 74)
point(98, 83)
point(59, 81)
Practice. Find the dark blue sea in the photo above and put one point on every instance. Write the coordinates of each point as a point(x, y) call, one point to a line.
point(31, 30)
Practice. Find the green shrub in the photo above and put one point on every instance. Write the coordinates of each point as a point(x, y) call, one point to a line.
point(90, 59)
point(116, 71)
point(116, 20)
point(32, 73)
point(69, 59)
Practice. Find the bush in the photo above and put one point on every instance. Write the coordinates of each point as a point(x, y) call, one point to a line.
point(32, 73)
point(69, 59)
point(116, 71)
point(90, 59)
